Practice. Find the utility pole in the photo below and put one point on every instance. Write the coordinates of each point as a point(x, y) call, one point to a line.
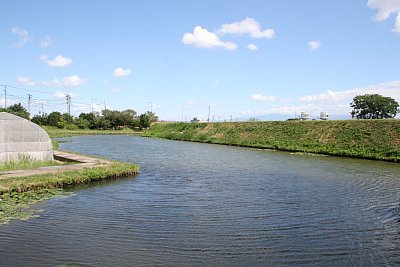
point(150, 106)
point(29, 102)
point(209, 110)
point(41, 104)
point(68, 103)
point(5, 96)
point(92, 105)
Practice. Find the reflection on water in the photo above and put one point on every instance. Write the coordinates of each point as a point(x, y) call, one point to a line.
point(199, 204)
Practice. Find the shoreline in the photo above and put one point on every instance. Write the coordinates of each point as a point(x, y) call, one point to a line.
point(20, 189)
point(359, 139)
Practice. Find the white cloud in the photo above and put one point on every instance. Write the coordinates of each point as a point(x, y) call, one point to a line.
point(259, 97)
point(202, 38)
point(73, 81)
point(391, 89)
point(58, 62)
point(24, 80)
point(45, 42)
point(120, 72)
point(22, 35)
point(59, 94)
point(190, 102)
point(385, 9)
point(313, 45)
point(115, 90)
point(216, 82)
point(333, 102)
point(156, 106)
point(252, 47)
point(397, 25)
point(247, 26)
point(69, 81)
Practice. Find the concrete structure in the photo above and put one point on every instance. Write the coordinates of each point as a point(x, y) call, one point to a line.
point(22, 139)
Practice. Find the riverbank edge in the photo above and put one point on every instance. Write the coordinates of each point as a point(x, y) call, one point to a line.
point(21, 189)
point(363, 139)
point(59, 133)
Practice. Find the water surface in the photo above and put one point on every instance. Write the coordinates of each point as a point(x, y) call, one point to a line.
point(199, 204)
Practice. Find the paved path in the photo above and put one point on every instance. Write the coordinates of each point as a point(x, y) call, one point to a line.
point(80, 162)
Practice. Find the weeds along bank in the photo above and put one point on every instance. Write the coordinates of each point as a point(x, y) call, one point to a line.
point(18, 194)
point(369, 139)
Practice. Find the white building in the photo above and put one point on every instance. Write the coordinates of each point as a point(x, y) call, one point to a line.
point(304, 116)
point(324, 116)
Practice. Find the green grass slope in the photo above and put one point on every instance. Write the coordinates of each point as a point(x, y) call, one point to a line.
point(369, 139)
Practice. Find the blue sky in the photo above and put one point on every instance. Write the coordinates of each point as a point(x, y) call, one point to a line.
point(265, 59)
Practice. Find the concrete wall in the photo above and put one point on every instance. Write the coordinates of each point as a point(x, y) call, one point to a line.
point(20, 138)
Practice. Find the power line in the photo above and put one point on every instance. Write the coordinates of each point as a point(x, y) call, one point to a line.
point(29, 90)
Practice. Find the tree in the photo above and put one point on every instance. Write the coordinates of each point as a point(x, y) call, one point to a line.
point(17, 109)
point(129, 117)
point(146, 119)
point(82, 123)
point(68, 118)
point(374, 106)
point(55, 119)
point(91, 118)
point(40, 119)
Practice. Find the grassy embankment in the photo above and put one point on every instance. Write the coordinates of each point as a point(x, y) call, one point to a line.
point(56, 132)
point(17, 194)
point(368, 139)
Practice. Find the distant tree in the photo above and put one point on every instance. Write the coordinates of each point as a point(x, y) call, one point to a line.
point(40, 119)
point(373, 106)
point(91, 118)
point(129, 117)
point(17, 109)
point(104, 123)
point(68, 118)
point(82, 123)
point(55, 119)
point(114, 119)
point(146, 119)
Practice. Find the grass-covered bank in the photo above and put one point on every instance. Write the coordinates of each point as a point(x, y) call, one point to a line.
point(27, 164)
point(368, 139)
point(57, 133)
point(18, 193)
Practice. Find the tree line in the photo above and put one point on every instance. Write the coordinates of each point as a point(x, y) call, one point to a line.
point(106, 120)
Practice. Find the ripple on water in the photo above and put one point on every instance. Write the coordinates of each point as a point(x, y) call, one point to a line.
point(197, 204)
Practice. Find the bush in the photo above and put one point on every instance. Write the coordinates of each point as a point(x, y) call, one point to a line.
point(71, 127)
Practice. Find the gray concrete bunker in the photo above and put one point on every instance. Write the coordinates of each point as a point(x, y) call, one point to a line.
point(22, 139)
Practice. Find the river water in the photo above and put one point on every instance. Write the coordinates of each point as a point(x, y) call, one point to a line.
point(208, 205)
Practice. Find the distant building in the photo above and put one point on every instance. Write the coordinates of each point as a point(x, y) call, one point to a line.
point(195, 120)
point(324, 116)
point(23, 139)
point(304, 116)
